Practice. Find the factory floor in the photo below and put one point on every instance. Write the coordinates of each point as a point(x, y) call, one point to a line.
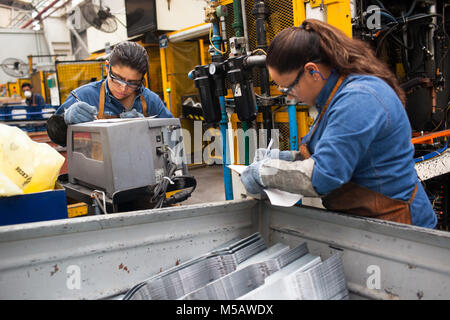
point(210, 185)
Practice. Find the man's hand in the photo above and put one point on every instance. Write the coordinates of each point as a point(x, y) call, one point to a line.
point(80, 112)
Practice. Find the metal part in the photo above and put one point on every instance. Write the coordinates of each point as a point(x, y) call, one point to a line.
point(244, 24)
point(261, 12)
point(210, 11)
point(237, 46)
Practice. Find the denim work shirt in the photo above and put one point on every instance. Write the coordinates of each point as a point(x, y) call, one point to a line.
point(365, 137)
point(38, 100)
point(90, 93)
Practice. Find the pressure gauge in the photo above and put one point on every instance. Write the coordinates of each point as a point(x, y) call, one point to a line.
point(212, 68)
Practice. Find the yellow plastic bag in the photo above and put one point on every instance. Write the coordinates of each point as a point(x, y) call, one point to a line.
point(28, 165)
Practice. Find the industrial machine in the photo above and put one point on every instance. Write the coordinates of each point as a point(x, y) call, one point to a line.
point(126, 164)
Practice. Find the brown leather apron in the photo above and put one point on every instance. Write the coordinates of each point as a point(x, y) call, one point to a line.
point(357, 200)
point(101, 105)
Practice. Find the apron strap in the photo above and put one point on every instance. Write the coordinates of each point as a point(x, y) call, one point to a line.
point(144, 106)
point(304, 147)
point(413, 195)
point(101, 102)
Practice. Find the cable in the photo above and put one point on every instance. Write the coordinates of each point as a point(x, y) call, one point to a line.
point(210, 32)
point(94, 195)
point(259, 49)
point(160, 190)
point(431, 155)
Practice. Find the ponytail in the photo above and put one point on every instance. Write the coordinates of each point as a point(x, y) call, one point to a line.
point(317, 40)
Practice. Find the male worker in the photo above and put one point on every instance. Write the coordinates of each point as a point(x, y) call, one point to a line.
point(32, 99)
point(122, 94)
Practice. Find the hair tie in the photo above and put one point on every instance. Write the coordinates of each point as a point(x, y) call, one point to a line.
point(305, 25)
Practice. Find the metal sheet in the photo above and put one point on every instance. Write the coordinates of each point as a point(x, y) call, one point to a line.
point(382, 260)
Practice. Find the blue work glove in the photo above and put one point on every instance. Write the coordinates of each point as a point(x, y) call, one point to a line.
point(262, 154)
point(131, 114)
point(80, 112)
point(251, 179)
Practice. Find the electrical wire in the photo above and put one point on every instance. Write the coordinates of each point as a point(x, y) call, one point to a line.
point(94, 195)
point(210, 41)
point(432, 155)
point(444, 119)
point(259, 49)
point(159, 192)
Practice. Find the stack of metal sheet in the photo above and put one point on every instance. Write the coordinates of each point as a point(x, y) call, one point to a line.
point(249, 275)
point(246, 269)
point(307, 278)
point(196, 273)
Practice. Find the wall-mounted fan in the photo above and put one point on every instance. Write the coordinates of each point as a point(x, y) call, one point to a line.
point(99, 16)
point(15, 68)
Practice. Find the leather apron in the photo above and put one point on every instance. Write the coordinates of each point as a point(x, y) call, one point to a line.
point(357, 200)
point(101, 105)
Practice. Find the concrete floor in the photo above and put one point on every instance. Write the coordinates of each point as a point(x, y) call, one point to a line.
point(210, 185)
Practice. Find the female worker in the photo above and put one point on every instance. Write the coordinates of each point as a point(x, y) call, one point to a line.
point(121, 94)
point(358, 155)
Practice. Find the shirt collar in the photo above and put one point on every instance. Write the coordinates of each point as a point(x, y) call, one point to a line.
point(327, 89)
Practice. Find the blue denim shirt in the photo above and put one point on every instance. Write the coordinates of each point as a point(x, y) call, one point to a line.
point(38, 100)
point(365, 137)
point(90, 93)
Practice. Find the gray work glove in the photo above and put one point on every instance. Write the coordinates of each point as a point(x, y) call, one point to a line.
point(80, 112)
point(131, 114)
point(262, 153)
point(290, 176)
point(251, 179)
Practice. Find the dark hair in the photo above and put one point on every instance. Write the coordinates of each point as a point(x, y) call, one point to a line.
point(130, 54)
point(26, 84)
point(315, 40)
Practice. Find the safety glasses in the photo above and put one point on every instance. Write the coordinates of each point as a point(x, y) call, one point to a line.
point(292, 85)
point(116, 80)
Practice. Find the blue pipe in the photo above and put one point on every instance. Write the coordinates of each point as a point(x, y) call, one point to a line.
point(432, 154)
point(216, 40)
point(293, 131)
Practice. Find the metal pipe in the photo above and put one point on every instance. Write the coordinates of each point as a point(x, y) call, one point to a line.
point(238, 27)
point(71, 29)
point(216, 40)
point(244, 24)
point(293, 129)
point(39, 14)
point(56, 9)
point(261, 12)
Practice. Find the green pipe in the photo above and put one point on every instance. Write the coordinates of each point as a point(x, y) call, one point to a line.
point(237, 25)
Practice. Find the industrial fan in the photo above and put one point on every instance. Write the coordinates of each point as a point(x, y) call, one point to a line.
point(15, 67)
point(99, 16)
